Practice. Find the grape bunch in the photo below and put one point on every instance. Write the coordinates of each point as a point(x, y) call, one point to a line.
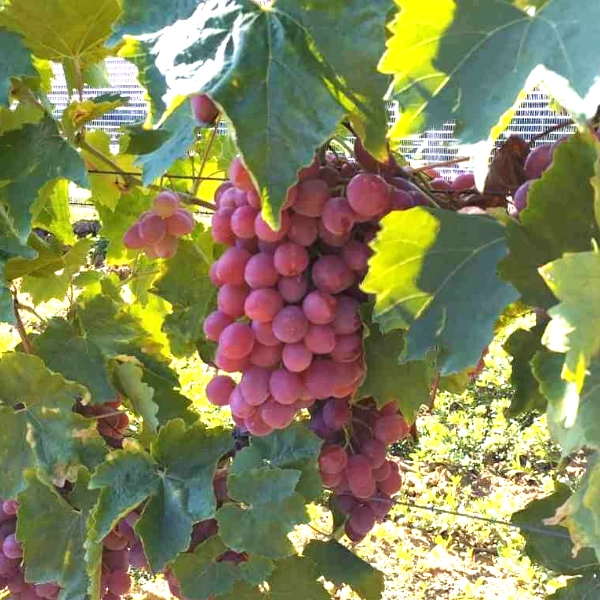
point(12, 569)
point(288, 302)
point(157, 231)
point(353, 461)
point(112, 422)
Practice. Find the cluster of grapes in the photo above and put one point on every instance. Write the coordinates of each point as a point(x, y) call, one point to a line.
point(12, 570)
point(288, 302)
point(353, 461)
point(112, 422)
point(157, 231)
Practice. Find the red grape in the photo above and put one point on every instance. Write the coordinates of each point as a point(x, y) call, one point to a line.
point(464, 182)
point(260, 271)
point(276, 415)
point(356, 256)
point(362, 519)
point(236, 341)
point(292, 289)
point(401, 200)
point(221, 227)
point(113, 541)
point(263, 305)
point(348, 348)
point(239, 175)
point(290, 259)
point(256, 425)
point(133, 239)
point(204, 109)
point(347, 318)
point(290, 325)
point(296, 357)
point(152, 229)
point(266, 233)
point(231, 299)
point(242, 222)
point(219, 389)
point(11, 548)
point(311, 198)
point(319, 307)
point(285, 386)
point(333, 459)
point(330, 274)
point(368, 195)
point(320, 378)
point(392, 484)
point(338, 216)
point(264, 333)
point(239, 406)
point(231, 365)
point(375, 451)
point(337, 414)
point(232, 264)
point(254, 385)
point(119, 582)
point(320, 339)
point(165, 204)
point(303, 230)
point(390, 429)
point(167, 247)
point(266, 356)
point(214, 324)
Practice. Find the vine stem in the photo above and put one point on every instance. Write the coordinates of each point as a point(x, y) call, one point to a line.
point(444, 163)
point(129, 179)
point(198, 179)
point(550, 130)
point(31, 310)
point(20, 327)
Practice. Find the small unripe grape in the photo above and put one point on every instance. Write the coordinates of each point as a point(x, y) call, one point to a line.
point(181, 223)
point(165, 204)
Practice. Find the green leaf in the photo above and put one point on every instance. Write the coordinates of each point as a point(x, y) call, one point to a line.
point(551, 545)
point(270, 510)
point(49, 157)
point(340, 566)
point(180, 132)
point(138, 140)
point(256, 570)
point(16, 117)
point(46, 257)
point(51, 211)
point(16, 61)
point(78, 114)
point(186, 285)
point(312, 42)
point(434, 274)
point(387, 381)
point(548, 228)
point(53, 534)
point(200, 576)
point(578, 588)
point(176, 479)
point(439, 53)
point(39, 428)
point(522, 345)
point(7, 314)
point(75, 29)
point(141, 396)
point(575, 325)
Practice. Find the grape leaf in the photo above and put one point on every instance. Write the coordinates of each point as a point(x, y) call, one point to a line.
point(16, 117)
point(200, 576)
point(577, 588)
point(295, 447)
point(550, 545)
point(39, 428)
point(49, 157)
point(46, 257)
point(7, 314)
point(548, 229)
point(129, 375)
point(440, 52)
point(67, 29)
point(176, 479)
point(185, 284)
point(180, 134)
point(138, 140)
point(575, 325)
point(522, 345)
point(406, 384)
point(53, 534)
point(337, 564)
point(77, 114)
point(16, 61)
point(270, 510)
point(51, 211)
point(434, 274)
point(239, 45)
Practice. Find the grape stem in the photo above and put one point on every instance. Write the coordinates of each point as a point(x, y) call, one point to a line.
point(444, 163)
point(27, 346)
point(198, 179)
point(31, 310)
point(550, 130)
point(130, 180)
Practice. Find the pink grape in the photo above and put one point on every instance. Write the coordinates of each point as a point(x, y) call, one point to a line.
point(330, 274)
point(214, 324)
point(348, 348)
point(290, 325)
point(239, 175)
point(337, 414)
point(232, 198)
point(231, 365)
point(119, 582)
point(320, 379)
point(15, 584)
point(152, 229)
point(253, 199)
point(133, 239)
point(356, 256)
point(375, 451)
point(364, 490)
point(440, 184)
point(114, 541)
point(256, 425)
point(358, 469)
point(180, 223)
point(320, 339)
point(303, 230)
point(11, 547)
point(285, 386)
point(329, 175)
point(331, 239)
point(260, 271)
point(231, 299)
point(392, 484)
point(165, 204)
point(538, 160)
point(221, 227)
point(390, 429)
point(137, 558)
point(10, 507)
point(347, 318)
point(464, 182)
point(236, 341)
point(232, 265)
point(264, 333)
point(254, 385)
point(239, 406)
point(362, 519)
point(251, 245)
point(242, 222)
point(226, 185)
point(319, 307)
point(292, 289)
point(331, 480)
point(368, 195)
point(333, 459)
point(345, 503)
point(263, 305)
point(519, 202)
point(311, 198)
point(276, 415)
point(267, 247)
point(290, 259)
point(167, 247)
point(219, 390)
point(401, 200)
point(296, 357)
point(204, 109)
point(391, 408)
point(309, 172)
point(8, 566)
point(264, 231)
point(266, 356)
point(381, 505)
point(116, 561)
point(338, 216)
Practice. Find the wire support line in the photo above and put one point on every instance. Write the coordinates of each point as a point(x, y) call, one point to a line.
point(166, 175)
